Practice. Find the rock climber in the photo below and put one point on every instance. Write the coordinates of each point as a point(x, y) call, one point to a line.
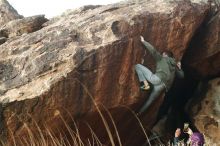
point(162, 79)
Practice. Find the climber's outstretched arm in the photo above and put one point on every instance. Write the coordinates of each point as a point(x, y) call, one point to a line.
point(151, 49)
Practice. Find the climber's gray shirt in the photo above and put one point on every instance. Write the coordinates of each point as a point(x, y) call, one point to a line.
point(166, 67)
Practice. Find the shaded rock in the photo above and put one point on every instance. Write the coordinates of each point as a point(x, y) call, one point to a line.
point(7, 12)
point(91, 52)
point(2, 40)
point(203, 55)
point(4, 33)
point(23, 26)
point(204, 110)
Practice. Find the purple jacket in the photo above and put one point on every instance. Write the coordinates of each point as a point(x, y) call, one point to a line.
point(197, 139)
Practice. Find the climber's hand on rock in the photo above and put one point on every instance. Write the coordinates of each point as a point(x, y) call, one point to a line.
point(179, 65)
point(142, 38)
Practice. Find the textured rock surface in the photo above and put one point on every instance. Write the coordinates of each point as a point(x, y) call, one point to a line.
point(22, 26)
point(205, 110)
point(7, 12)
point(44, 73)
point(203, 56)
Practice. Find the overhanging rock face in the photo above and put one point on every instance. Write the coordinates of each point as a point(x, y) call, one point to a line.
point(91, 50)
point(203, 55)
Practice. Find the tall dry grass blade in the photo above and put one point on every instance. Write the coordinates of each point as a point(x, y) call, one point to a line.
point(93, 134)
point(12, 136)
point(20, 141)
point(139, 121)
point(26, 143)
point(76, 127)
point(40, 132)
point(64, 138)
point(71, 132)
point(93, 140)
point(112, 120)
point(69, 144)
point(51, 137)
point(2, 143)
point(100, 113)
point(30, 134)
point(89, 142)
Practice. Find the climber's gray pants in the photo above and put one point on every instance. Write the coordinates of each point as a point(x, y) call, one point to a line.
point(145, 74)
point(158, 86)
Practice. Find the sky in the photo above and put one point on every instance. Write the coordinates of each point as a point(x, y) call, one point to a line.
point(52, 8)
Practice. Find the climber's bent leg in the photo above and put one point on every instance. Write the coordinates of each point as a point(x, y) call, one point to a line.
point(157, 90)
point(140, 69)
point(145, 74)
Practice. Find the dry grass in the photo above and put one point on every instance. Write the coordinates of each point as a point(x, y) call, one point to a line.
point(45, 137)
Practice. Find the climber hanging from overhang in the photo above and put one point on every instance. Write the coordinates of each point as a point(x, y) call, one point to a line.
point(166, 70)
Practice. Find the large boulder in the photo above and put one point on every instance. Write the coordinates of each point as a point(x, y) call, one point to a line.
point(86, 58)
point(7, 12)
point(204, 110)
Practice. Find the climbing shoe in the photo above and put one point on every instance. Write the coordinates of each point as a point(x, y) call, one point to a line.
point(145, 87)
